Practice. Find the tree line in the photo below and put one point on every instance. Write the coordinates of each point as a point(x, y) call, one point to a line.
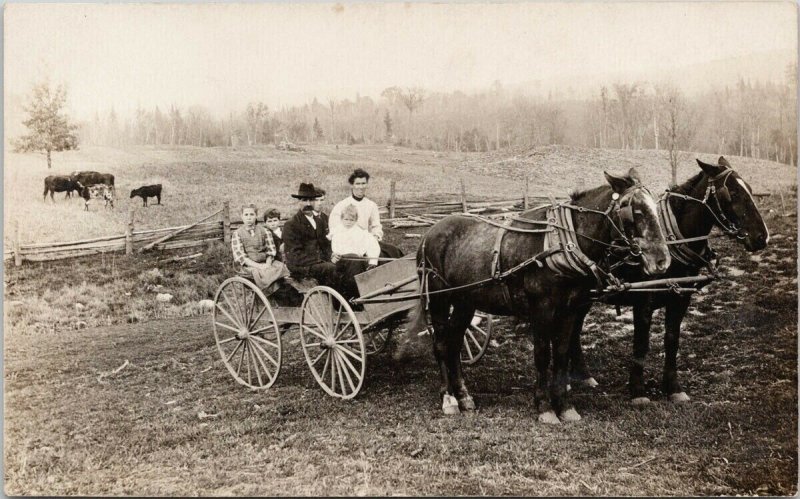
point(746, 118)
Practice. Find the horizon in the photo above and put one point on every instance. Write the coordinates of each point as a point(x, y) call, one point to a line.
point(127, 55)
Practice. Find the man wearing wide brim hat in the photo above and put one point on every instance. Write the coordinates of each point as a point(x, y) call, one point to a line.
point(308, 250)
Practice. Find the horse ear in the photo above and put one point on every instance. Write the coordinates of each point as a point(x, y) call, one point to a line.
point(619, 184)
point(634, 174)
point(723, 162)
point(710, 170)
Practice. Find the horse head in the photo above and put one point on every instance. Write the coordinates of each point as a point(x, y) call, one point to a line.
point(731, 201)
point(637, 219)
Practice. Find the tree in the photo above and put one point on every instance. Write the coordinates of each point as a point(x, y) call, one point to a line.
point(318, 134)
point(412, 98)
point(50, 128)
point(678, 126)
point(387, 122)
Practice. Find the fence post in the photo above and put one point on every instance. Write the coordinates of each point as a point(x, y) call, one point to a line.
point(525, 195)
point(391, 199)
point(463, 197)
point(226, 222)
point(17, 254)
point(129, 232)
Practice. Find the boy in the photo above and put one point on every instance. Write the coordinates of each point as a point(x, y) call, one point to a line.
point(254, 249)
point(272, 219)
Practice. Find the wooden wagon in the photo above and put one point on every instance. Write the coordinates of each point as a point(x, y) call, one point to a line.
point(336, 339)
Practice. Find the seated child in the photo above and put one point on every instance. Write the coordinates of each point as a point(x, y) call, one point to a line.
point(254, 249)
point(272, 219)
point(350, 239)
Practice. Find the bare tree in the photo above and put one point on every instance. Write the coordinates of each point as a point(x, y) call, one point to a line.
point(50, 129)
point(678, 126)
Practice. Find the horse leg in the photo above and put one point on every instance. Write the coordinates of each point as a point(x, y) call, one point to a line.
point(577, 364)
point(642, 320)
point(440, 314)
point(459, 320)
point(674, 314)
point(540, 319)
point(561, 332)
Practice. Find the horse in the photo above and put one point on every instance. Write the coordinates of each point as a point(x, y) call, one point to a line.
point(716, 196)
point(460, 273)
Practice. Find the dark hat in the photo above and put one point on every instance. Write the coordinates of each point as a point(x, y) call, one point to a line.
point(306, 191)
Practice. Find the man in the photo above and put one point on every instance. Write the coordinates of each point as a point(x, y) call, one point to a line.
point(308, 250)
point(368, 217)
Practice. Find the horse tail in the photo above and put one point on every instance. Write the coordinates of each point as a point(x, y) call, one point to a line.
point(417, 318)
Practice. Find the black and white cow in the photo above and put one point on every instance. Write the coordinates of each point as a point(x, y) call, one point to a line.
point(100, 192)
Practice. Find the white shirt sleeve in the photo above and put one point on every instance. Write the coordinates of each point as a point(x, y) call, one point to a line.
point(373, 248)
point(375, 221)
point(335, 218)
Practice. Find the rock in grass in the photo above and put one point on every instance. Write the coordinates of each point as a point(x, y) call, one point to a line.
point(206, 305)
point(164, 297)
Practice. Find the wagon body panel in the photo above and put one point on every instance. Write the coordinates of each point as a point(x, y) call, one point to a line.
point(383, 276)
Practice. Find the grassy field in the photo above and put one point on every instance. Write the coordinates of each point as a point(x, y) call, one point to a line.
point(74, 427)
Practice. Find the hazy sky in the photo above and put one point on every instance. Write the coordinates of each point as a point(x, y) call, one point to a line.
point(224, 55)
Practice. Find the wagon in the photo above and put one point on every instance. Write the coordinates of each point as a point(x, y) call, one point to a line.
point(337, 336)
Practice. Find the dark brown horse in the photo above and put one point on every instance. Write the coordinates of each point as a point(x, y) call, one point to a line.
point(457, 253)
point(717, 196)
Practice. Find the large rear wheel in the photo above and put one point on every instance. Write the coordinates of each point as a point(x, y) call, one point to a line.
point(332, 342)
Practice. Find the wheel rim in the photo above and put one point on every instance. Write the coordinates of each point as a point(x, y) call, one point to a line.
point(476, 339)
point(376, 340)
point(247, 334)
point(332, 342)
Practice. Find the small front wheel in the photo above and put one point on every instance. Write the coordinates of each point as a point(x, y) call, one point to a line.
point(476, 338)
point(247, 334)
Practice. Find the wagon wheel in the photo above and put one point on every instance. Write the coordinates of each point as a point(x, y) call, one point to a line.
point(247, 334)
point(332, 342)
point(476, 338)
point(377, 339)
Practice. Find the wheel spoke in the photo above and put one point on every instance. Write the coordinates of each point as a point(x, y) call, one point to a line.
point(469, 350)
point(314, 319)
point(342, 342)
point(258, 318)
point(261, 330)
point(233, 353)
point(251, 308)
point(230, 318)
point(271, 359)
point(255, 365)
point(339, 372)
point(263, 365)
point(333, 372)
point(335, 326)
point(226, 326)
point(227, 340)
point(314, 362)
point(345, 328)
point(241, 357)
point(264, 340)
point(327, 363)
point(319, 321)
point(349, 352)
point(318, 335)
point(343, 368)
point(472, 337)
point(247, 349)
point(350, 365)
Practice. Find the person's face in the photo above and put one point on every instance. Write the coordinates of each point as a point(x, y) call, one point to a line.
point(318, 203)
point(306, 205)
point(348, 220)
point(249, 216)
point(359, 187)
point(272, 223)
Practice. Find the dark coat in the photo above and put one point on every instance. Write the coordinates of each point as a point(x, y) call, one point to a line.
point(278, 242)
point(305, 246)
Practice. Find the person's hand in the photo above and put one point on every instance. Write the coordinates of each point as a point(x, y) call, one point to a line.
point(335, 258)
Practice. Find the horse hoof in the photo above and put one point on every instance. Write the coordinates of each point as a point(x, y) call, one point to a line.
point(569, 387)
point(640, 401)
point(549, 417)
point(591, 383)
point(467, 404)
point(450, 405)
point(679, 398)
point(570, 415)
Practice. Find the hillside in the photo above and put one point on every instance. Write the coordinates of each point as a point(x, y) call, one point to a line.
point(197, 180)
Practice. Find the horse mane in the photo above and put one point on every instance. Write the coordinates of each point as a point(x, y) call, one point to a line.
point(687, 187)
point(578, 195)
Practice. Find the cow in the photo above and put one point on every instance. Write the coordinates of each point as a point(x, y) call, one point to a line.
point(60, 183)
point(147, 191)
point(100, 191)
point(89, 178)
